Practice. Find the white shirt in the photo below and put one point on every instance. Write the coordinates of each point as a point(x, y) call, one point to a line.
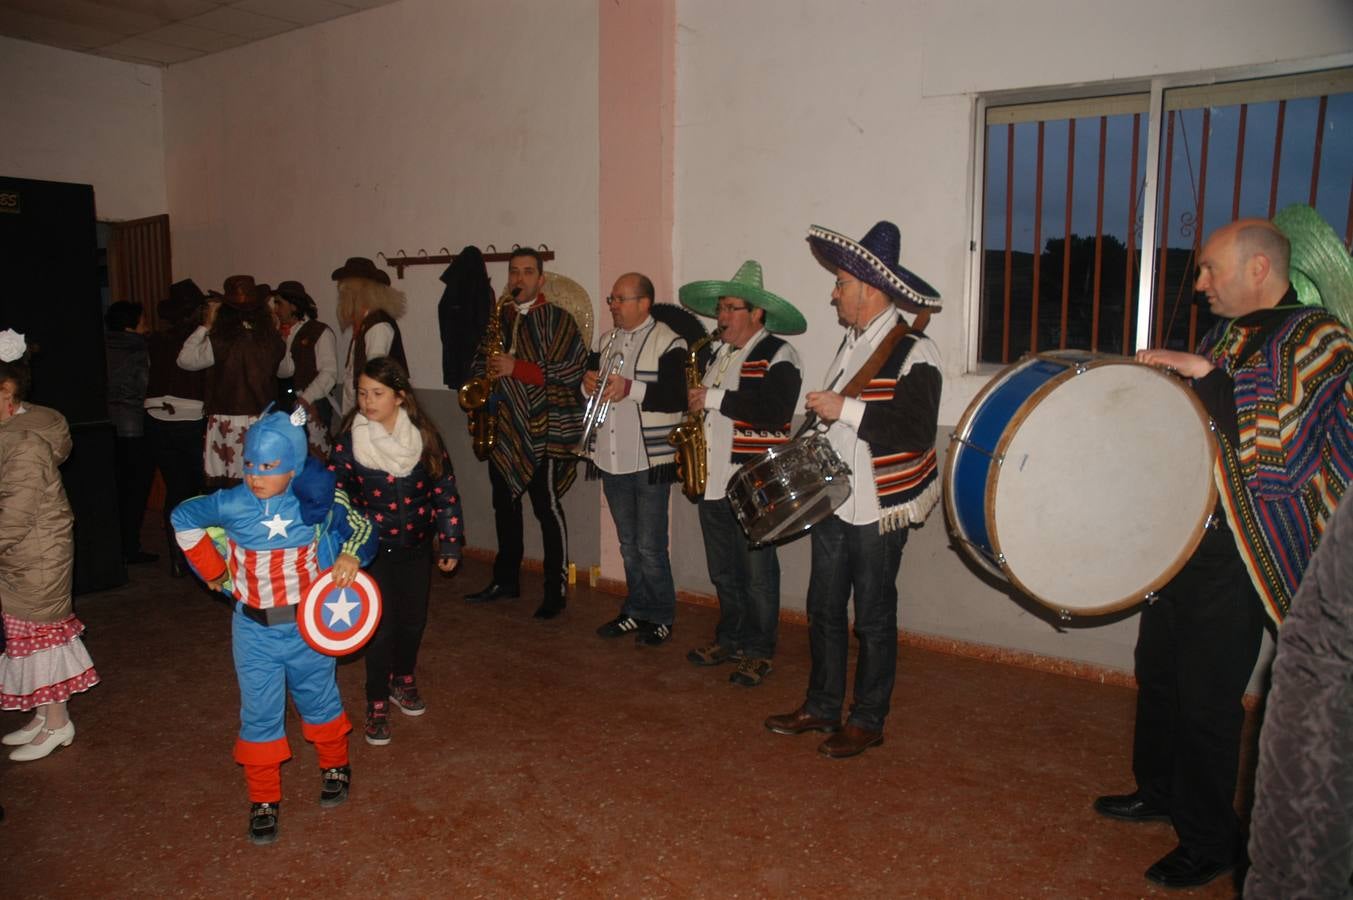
point(862, 506)
point(326, 362)
point(379, 337)
point(722, 375)
point(620, 442)
point(195, 354)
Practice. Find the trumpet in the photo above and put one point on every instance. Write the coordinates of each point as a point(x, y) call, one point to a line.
point(594, 414)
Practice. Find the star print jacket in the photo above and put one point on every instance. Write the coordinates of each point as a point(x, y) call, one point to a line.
point(271, 554)
point(405, 511)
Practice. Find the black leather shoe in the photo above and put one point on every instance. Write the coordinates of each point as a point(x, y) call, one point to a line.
point(549, 610)
point(494, 591)
point(1181, 868)
point(1130, 808)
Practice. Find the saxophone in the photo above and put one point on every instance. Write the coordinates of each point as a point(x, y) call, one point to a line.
point(689, 436)
point(474, 394)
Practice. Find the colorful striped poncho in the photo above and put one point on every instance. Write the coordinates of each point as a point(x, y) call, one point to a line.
point(1293, 401)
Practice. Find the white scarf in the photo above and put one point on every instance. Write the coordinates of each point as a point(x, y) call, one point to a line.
point(396, 452)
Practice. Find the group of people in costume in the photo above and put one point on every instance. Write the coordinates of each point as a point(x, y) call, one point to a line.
point(1273, 375)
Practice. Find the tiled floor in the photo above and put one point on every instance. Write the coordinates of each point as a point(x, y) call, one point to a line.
point(553, 763)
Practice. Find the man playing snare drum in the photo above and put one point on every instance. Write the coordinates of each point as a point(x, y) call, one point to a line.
point(1274, 376)
point(884, 429)
point(747, 396)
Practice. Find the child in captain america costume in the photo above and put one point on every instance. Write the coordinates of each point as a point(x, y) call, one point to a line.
point(278, 525)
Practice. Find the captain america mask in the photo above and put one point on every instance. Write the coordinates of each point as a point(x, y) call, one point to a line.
point(275, 446)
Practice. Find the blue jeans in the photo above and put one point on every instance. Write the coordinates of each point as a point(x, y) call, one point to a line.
point(845, 558)
point(746, 579)
point(640, 513)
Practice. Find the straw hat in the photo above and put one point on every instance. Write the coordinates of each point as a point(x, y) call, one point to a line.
point(1320, 269)
point(875, 259)
point(781, 316)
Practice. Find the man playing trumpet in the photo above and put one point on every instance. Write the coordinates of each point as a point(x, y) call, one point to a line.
point(748, 394)
point(637, 464)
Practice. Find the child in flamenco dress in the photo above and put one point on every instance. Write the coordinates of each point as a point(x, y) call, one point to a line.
point(44, 661)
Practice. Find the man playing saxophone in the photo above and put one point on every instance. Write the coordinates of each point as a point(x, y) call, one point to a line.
point(537, 421)
point(647, 396)
point(748, 395)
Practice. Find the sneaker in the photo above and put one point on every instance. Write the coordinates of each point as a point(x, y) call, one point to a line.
point(653, 635)
point(333, 786)
point(622, 625)
point(377, 723)
point(751, 672)
point(713, 655)
point(263, 822)
point(404, 694)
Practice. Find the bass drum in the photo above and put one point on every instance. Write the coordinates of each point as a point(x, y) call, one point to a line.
point(1084, 480)
point(789, 489)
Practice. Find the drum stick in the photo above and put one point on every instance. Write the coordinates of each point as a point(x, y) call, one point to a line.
point(811, 419)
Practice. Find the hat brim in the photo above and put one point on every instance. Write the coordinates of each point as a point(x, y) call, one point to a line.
point(781, 316)
point(836, 251)
point(369, 274)
point(1320, 267)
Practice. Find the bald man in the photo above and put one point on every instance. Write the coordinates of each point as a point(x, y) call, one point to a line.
point(1273, 375)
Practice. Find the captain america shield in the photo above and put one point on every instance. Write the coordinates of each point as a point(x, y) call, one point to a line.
point(338, 621)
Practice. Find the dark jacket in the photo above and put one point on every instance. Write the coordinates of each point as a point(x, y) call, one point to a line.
point(405, 511)
point(128, 372)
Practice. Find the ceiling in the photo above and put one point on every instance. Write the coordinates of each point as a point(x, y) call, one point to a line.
point(163, 32)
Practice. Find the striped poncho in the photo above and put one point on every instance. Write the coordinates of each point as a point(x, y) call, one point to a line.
point(1281, 481)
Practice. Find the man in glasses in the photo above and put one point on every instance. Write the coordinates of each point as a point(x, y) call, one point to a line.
point(747, 398)
point(644, 371)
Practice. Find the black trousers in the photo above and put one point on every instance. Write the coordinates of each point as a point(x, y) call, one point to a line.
point(404, 575)
point(1196, 649)
point(553, 531)
point(134, 470)
point(176, 450)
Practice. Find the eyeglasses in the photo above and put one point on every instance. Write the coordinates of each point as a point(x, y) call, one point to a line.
point(726, 308)
point(616, 301)
point(841, 282)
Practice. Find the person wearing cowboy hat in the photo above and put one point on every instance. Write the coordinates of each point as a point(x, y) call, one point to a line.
point(886, 435)
point(309, 371)
point(369, 306)
point(239, 343)
point(1273, 375)
point(747, 396)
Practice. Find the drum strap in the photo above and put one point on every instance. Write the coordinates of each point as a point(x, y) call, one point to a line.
point(875, 362)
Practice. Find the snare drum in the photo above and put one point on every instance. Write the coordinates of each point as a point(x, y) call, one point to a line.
point(1083, 479)
point(789, 489)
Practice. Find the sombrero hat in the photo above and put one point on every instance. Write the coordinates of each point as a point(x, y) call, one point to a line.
point(781, 316)
point(1320, 269)
point(875, 259)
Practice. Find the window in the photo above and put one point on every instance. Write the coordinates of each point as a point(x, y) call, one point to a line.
point(1065, 200)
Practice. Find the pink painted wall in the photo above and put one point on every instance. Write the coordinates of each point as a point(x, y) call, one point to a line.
point(637, 87)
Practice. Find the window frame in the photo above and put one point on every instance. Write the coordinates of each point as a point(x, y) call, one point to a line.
point(1156, 87)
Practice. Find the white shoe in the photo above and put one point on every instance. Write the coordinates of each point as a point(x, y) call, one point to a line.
point(26, 733)
point(55, 737)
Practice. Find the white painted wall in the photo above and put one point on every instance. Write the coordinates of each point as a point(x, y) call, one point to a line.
point(840, 114)
point(418, 125)
point(78, 118)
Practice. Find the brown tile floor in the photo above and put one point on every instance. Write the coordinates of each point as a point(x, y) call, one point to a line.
point(552, 763)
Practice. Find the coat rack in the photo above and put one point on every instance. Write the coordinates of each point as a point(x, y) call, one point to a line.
point(400, 260)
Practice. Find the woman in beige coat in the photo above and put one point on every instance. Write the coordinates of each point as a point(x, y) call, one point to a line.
point(44, 660)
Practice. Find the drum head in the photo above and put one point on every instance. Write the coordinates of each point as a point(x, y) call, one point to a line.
point(1104, 487)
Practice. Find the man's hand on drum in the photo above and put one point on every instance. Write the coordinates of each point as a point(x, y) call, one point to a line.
point(827, 405)
point(1189, 365)
point(695, 399)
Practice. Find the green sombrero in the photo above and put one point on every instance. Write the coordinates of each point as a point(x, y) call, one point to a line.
point(781, 316)
point(1320, 269)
